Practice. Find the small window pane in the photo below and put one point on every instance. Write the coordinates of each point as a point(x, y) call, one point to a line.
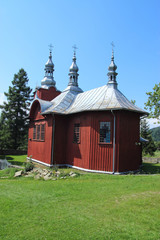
point(42, 131)
point(38, 132)
point(76, 135)
point(34, 132)
point(105, 132)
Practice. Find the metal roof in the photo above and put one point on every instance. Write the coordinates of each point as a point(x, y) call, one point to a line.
point(103, 98)
point(74, 100)
point(44, 104)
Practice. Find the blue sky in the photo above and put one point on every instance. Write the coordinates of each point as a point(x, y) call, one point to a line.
point(27, 27)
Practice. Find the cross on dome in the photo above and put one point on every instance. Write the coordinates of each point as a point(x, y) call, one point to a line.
point(112, 44)
point(75, 48)
point(50, 47)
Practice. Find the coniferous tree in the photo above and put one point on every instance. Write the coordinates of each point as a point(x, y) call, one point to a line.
point(4, 133)
point(13, 121)
point(149, 146)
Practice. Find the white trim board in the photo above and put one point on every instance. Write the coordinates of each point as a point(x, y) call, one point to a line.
point(35, 160)
point(79, 168)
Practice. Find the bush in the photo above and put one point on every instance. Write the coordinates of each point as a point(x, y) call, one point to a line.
point(29, 166)
point(158, 145)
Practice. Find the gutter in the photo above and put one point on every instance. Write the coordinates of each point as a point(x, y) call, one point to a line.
point(114, 140)
point(52, 148)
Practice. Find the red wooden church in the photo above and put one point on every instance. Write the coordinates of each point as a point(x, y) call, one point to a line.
point(96, 130)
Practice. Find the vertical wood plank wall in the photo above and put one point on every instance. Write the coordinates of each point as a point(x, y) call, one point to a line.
point(60, 139)
point(129, 135)
point(77, 154)
point(40, 150)
point(101, 155)
point(88, 153)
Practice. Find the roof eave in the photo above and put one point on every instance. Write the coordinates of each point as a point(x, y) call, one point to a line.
point(142, 113)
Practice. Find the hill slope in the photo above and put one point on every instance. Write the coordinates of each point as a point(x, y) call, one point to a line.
point(156, 133)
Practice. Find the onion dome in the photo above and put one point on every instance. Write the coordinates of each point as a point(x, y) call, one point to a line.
point(73, 72)
point(112, 73)
point(74, 67)
point(48, 80)
point(49, 63)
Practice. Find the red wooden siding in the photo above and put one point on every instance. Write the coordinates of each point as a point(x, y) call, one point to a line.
point(77, 154)
point(128, 134)
point(101, 154)
point(60, 139)
point(88, 153)
point(65, 150)
point(47, 94)
point(40, 150)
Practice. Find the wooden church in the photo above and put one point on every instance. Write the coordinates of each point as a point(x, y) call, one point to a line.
point(96, 131)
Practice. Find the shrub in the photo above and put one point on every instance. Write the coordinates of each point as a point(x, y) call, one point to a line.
point(29, 166)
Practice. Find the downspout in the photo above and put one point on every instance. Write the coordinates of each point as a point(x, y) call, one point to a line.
point(53, 132)
point(114, 140)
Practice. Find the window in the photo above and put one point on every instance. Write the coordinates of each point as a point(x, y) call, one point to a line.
point(39, 132)
point(76, 134)
point(42, 131)
point(105, 132)
point(34, 132)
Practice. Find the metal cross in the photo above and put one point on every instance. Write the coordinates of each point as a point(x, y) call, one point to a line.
point(50, 47)
point(74, 47)
point(112, 43)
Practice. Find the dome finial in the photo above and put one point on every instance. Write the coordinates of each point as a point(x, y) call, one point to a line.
point(112, 44)
point(112, 71)
point(50, 48)
point(74, 51)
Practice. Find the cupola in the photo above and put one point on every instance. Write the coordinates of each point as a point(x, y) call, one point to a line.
point(112, 73)
point(73, 72)
point(48, 80)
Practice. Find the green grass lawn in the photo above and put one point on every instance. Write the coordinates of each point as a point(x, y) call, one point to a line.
point(15, 159)
point(91, 206)
point(156, 154)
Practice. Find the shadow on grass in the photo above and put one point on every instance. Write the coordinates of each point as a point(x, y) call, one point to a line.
point(5, 157)
point(150, 168)
point(16, 163)
point(11, 160)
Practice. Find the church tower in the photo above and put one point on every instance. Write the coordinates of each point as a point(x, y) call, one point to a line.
point(73, 72)
point(73, 76)
point(48, 90)
point(48, 80)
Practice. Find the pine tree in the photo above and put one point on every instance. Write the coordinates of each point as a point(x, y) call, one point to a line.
point(4, 133)
point(14, 122)
point(149, 146)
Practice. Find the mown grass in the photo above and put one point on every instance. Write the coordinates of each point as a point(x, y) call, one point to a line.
point(150, 168)
point(91, 206)
point(15, 159)
point(156, 155)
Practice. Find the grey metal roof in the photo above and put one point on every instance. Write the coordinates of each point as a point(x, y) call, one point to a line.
point(74, 100)
point(44, 104)
point(103, 98)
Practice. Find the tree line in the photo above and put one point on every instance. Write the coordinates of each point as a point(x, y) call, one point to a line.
point(14, 120)
point(153, 105)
